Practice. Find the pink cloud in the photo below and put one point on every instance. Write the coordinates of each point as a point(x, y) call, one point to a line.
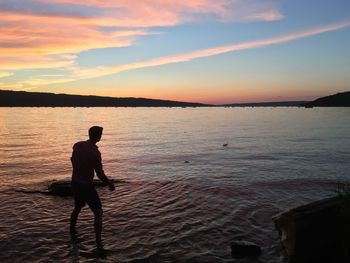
point(146, 13)
point(27, 41)
point(272, 15)
point(30, 36)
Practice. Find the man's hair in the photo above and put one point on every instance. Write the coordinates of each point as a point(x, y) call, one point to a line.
point(95, 133)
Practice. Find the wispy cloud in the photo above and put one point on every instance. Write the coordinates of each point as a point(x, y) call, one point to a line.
point(17, 86)
point(171, 12)
point(271, 15)
point(5, 74)
point(101, 71)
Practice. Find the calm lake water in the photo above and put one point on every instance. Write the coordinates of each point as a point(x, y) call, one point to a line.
point(183, 196)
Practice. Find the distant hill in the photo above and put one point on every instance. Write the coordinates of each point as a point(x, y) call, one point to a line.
point(42, 99)
point(337, 100)
point(268, 104)
point(39, 99)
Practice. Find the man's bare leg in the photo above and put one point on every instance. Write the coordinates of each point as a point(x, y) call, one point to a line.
point(73, 221)
point(98, 226)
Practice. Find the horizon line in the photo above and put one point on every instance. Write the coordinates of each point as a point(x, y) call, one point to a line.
point(209, 104)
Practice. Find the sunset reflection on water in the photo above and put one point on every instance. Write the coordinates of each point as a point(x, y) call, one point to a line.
point(182, 193)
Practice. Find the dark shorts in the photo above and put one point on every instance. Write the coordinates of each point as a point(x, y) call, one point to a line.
point(86, 194)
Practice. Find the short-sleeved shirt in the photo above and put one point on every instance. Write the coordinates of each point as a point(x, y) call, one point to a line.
point(86, 160)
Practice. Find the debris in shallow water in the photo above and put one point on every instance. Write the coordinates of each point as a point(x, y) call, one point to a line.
point(61, 188)
point(241, 249)
point(64, 188)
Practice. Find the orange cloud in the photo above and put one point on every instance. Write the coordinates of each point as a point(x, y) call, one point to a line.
point(41, 33)
point(5, 74)
point(28, 42)
point(17, 62)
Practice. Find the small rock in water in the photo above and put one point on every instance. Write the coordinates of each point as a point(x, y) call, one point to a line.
point(241, 249)
point(186, 162)
point(225, 144)
point(60, 188)
point(64, 188)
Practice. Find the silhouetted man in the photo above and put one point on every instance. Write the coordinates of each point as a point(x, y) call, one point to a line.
point(86, 160)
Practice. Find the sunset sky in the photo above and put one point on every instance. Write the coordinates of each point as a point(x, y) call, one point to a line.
point(221, 51)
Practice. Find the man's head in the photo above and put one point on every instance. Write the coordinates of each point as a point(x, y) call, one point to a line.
point(95, 133)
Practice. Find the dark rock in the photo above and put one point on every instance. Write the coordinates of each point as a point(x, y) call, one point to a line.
point(241, 249)
point(64, 188)
point(60, 188)
point(317, 232)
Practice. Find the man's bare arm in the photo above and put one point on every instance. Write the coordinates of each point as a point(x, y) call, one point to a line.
point(101, 175)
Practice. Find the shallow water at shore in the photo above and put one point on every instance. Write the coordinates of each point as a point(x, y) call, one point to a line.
point(183, 195)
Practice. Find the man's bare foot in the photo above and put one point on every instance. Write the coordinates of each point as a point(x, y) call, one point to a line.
point(99, 246)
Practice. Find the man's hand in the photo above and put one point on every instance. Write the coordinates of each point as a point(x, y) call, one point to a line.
point(111, 186)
